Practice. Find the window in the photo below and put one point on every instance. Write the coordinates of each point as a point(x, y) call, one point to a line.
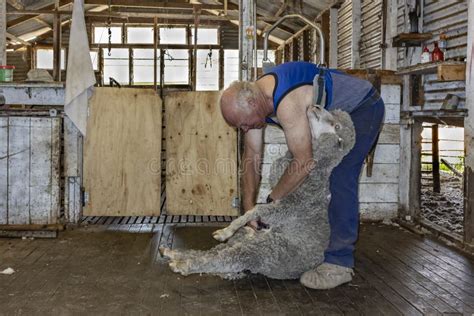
point(44, 59)
point(116, 65)
point(176, 35)
point(176, 66)
point(231, 66)
point(206, 36)
point(143, 66)
point(101, 35)
point(207, 70)
point(95, 60)
point(140, 35)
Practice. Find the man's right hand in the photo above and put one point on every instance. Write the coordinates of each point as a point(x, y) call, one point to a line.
point(253, 225)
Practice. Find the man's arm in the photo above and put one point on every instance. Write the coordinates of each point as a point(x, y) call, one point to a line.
point(298, 138)
point(251, 163)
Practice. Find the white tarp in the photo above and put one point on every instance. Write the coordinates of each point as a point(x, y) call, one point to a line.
point(80, 77)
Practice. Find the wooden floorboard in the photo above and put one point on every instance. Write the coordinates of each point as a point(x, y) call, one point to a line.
point(115, 268)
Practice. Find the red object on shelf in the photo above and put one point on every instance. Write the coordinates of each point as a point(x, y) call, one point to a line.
point(425, 56)
point(437, 54)
point(7, 67)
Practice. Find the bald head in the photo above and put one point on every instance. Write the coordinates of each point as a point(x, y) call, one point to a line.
point(239, 102)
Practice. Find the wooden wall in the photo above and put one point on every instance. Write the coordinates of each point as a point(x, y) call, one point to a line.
point(440, 17)
point(29, 169)
point(378, 194)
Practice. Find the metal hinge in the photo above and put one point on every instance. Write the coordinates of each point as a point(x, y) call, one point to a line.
point(235, 202)
point(84, 197)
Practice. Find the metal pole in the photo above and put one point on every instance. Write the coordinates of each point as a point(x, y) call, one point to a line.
point(292, 16)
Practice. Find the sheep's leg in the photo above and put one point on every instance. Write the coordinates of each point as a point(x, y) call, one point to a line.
point(227, 232)
point(233, 259)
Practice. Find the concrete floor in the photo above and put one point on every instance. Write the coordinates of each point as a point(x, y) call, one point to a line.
point(115, 269)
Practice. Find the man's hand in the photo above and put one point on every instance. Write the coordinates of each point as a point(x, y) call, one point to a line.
point(253, 225)
point(258, 224)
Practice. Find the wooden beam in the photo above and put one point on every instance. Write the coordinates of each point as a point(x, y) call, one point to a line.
point(26, 18)
point(57, 47)
point(280, 11)
point(435, 158)
point(3, 33)
point(155, 4)
point(333, 12)
point(356, 32)
point(17, 39)
point(469, 133)
point(17, 4)
point(151, 15)
point(390, 26)
point(326, 28)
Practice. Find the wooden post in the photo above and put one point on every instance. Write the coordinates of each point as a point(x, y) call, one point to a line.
point(3, 32)
point(469, 133)
point(435, 158)
point(410, 159)
point(57, 46)
point(356, 30)
point(307, 47)
point(333, 12)
point(326, 27)
point(221, 68)
point(155, 54)
point(390, 26)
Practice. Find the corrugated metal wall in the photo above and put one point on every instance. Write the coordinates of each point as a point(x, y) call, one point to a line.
point(344, 35)
point(371, 34)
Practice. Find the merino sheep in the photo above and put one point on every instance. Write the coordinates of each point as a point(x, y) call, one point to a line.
point(298, 227)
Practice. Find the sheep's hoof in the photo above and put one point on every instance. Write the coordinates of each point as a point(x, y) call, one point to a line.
point(179, 267)
point(222, 234)
point(166, 252)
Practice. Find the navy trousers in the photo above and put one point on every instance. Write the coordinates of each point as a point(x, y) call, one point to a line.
point(344, 185)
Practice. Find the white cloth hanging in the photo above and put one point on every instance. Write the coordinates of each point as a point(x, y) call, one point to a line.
point(80, 78)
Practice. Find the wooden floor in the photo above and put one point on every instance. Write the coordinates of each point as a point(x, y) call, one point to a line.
point(115, 268)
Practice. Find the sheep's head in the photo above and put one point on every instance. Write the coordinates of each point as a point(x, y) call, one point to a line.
point(333, 133)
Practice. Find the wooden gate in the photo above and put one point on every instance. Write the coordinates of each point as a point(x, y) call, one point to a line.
point(201, 156)
point(29, 170)
point(122, 153)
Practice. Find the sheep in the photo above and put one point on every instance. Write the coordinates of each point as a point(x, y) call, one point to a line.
point(297, 232)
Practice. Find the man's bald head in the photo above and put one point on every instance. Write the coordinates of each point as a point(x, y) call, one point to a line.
point(239, 101)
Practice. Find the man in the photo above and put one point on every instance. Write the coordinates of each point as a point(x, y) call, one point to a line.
point(282, 97)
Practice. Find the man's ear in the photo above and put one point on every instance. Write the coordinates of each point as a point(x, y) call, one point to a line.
point(251, 102)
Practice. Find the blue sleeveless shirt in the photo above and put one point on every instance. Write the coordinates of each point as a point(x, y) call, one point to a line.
point(343, 92)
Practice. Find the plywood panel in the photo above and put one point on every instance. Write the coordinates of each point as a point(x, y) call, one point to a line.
point(201, 149)
point(122, 146)
point(3, 170)
point(19, 171)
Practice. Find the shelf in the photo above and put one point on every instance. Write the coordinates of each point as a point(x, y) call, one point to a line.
point(449, 117)
point(446, 70)
point(410, 39)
